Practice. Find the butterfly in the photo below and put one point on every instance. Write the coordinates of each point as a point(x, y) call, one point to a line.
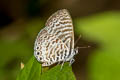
point(55, 42)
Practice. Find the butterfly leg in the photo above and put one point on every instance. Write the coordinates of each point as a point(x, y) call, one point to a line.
point(58, 63)
point(62, 64)
point(71, 61)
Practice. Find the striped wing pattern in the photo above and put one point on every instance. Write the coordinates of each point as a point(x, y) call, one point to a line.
point(49, 49)
point(60, 24)
point(55, 43)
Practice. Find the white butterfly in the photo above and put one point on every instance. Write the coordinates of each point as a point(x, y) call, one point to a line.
point(55, 42)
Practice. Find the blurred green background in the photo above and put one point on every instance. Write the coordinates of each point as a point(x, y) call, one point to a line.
point(98, 21)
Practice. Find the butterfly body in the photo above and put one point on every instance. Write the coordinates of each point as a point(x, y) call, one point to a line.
point(55, 42)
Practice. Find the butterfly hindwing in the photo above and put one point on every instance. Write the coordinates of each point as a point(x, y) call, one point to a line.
point(49, 49)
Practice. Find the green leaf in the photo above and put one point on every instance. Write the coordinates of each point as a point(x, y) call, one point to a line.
point(104, 29)
point(32, 71)
point(57, 73)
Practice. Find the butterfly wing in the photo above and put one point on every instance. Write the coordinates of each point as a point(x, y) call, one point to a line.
point(60, 24)
point(49, 49)
point(55, 42)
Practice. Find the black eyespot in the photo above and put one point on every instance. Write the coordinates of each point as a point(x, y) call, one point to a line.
point(40, 58)
point(38, 53)
point(37, 47)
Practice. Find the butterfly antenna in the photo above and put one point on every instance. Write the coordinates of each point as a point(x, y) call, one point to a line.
point(77, 42)
point(77, 39)
point(84, 47)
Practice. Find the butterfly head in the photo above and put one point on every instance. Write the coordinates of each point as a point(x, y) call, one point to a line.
point(76, 50)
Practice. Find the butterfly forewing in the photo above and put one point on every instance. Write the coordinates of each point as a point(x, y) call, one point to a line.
point(60, 25)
